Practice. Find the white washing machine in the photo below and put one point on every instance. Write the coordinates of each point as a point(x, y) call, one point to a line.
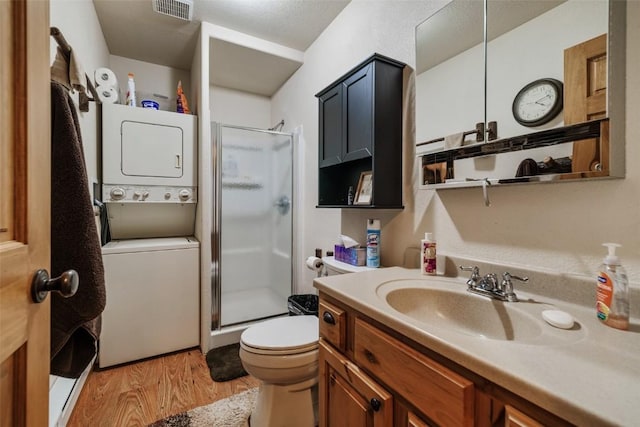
point(153, 303)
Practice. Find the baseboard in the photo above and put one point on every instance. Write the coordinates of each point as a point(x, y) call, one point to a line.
point(63, 395)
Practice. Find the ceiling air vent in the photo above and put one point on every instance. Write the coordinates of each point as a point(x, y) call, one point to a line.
point(182, 9)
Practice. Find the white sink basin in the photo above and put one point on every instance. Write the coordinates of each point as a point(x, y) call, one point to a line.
point(465, 312)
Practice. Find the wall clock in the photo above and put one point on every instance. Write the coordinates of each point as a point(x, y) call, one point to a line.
point(538, 102)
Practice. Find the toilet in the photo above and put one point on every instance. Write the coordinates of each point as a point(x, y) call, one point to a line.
point(283, 354)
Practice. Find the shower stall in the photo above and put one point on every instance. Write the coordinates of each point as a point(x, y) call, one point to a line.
point(252, 233)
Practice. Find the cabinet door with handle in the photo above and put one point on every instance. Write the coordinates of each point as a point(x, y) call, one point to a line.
point(330, 121)
point(357, 118)
point(348, 397)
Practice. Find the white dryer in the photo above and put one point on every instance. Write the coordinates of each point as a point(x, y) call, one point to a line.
point(149, 173)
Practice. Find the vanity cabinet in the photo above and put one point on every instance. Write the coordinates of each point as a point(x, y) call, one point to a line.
point(371, 375)
point(360, 130)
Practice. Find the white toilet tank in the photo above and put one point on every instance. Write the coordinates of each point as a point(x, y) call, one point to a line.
point(333, 266)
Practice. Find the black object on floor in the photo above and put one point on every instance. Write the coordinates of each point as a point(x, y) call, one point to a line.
point(224, 363)
point(304, 304)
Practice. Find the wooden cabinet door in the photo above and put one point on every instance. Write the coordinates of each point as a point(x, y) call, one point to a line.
point(24, 211)
point(357, 109)
point(347, 396)
point(330, 121)
point(585, 98)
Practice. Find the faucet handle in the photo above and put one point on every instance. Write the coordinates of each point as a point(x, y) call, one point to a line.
point(475, 271)
point(507, 286)
point(475, 275)
point(506, 277)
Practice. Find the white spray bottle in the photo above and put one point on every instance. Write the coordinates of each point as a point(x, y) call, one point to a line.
point(613, 291)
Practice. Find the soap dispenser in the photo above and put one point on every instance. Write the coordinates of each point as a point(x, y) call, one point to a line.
point(613, 291)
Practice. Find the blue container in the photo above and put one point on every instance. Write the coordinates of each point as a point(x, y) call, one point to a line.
point(148, 103)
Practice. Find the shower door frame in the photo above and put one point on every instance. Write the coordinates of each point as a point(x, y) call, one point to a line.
point(216, 229)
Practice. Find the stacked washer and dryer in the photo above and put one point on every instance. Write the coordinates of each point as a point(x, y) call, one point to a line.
point(149, 188)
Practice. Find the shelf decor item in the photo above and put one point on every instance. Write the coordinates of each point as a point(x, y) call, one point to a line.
point(365, 185)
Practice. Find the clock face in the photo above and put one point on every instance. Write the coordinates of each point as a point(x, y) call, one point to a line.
point(538, 102)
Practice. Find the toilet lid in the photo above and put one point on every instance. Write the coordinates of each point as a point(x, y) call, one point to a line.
point(283, 333)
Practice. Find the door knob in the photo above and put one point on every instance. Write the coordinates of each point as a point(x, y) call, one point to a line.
point(66, 284)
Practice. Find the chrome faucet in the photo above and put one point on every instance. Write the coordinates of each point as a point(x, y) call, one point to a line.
point(489, 286)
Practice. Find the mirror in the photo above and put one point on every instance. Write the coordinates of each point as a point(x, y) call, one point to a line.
point(464, 86)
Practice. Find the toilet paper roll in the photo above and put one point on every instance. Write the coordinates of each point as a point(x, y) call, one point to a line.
point(107, 95)
point(105, 77)
point(314, 263)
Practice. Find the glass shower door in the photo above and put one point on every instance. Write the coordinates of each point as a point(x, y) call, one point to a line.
point(254, 224)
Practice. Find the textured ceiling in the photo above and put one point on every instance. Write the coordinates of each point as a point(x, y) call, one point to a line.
point(133, 30)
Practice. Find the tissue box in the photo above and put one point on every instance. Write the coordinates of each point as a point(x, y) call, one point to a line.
point(353, 256)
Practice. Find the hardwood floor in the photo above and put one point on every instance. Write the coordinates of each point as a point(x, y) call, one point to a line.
point(140, 393)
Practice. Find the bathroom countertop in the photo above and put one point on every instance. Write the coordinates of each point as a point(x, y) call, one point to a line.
point(588, 375)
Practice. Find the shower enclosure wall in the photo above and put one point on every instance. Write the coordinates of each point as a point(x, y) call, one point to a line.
point(251, 263)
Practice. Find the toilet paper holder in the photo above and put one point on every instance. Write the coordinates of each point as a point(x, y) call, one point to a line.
point(315, 264)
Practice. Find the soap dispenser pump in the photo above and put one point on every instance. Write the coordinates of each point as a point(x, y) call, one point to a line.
point(613, 291)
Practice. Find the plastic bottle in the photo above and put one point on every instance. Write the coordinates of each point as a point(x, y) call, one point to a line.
point(373, 243)
point(613, 291)
point(428, 254)
point(131, 92)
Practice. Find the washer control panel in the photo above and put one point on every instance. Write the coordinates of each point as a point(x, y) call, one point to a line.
point(150, 193)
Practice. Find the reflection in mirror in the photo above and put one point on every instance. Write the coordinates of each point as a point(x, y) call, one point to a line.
point(527, 41)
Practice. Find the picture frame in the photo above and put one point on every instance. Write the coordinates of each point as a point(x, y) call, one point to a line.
point(364, 192)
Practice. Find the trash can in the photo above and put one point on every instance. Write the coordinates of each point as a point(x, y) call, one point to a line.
point(304, 304)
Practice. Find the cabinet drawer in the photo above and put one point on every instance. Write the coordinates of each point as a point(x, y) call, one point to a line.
point(333, 324)
point(441, 394)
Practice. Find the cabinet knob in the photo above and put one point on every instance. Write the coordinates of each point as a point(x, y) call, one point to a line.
point(375, 404)
point(370, 357)
point(328, 318)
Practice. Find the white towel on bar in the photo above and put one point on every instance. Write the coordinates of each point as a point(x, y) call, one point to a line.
point(453, 141)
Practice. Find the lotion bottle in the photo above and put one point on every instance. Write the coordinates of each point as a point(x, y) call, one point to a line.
point(613, 291)
point(428, 254)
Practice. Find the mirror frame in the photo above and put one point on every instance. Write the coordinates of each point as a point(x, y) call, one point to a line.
point(616, 75)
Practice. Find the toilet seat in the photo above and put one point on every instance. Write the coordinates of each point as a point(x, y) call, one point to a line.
point(282, 336)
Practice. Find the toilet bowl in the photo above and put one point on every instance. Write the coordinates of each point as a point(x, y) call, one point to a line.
point(283, 354)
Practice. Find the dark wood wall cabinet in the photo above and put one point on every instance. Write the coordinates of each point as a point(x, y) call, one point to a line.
point(360, 127)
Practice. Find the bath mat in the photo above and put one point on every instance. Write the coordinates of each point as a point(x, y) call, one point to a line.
point(233, 411)
point(224, 363)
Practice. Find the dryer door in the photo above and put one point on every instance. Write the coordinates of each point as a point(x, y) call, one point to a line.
point(152, 150)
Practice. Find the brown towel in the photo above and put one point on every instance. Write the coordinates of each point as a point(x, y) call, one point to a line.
point(75, 321)
point(71, 75)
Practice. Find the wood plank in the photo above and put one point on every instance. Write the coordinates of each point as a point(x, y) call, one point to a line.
point(142, 392)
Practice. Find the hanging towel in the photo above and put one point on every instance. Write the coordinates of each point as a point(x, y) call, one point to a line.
point(453, 141)
point(75, 321)
point(71, 75)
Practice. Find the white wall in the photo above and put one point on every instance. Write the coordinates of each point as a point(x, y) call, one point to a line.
point(557, 227)
point(91, 51)
point(234, 107)
point(151, 79)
